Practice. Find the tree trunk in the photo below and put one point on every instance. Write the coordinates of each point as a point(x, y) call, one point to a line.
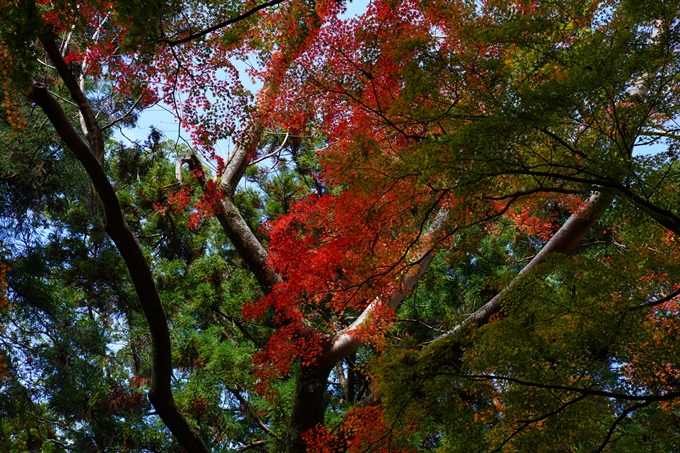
point(308, 404)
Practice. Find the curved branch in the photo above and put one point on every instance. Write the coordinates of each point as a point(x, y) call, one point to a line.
point(618, 420)
point(92, 130)
point(223, 24)
point(526, 423)
point(253, 413)
point(273, 153)
point(160, 394)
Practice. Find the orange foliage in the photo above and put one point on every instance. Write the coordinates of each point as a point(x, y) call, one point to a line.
point(363, 428)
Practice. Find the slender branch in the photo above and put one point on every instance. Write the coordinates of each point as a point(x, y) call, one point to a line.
point(124, 115)
point(583, 391)
point(564, 143)
point(618, 420)
point(663, 216)
point(661, 133)
point(274, 153)
point(526, 423)
point(523, 193)
point(663, 300)
point(253, 414)
point(223, 24)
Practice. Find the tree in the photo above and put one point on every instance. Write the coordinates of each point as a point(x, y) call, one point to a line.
point(475, 244)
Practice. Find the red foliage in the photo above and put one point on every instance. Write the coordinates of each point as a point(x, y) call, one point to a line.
point(362, 427)
point(207, 206)
point(121, 400)
point(178, 201)
point(337, 254)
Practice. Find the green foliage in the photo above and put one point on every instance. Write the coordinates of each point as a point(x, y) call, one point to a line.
point(505, 116)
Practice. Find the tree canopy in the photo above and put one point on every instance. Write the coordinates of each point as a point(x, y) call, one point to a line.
point(442, 225)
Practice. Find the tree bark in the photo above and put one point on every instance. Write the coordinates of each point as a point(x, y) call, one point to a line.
point(564, 241)
point(239, 233)
point(160, 394)
point(308, 404)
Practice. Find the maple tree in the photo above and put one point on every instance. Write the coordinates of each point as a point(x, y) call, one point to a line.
point(449, 244)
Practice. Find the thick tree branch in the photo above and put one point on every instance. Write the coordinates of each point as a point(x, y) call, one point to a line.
point(346, 342)
point(238, 160)
point(142, 279)
point(92, 130)
point(564, 241)
point(238, 231)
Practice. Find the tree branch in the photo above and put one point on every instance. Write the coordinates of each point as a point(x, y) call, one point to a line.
point(660, 301)
point(239, 233)
point(238, 160)
point(223, 24)
point(115, 225)
point(346, 342)
point(254, 445)
point(124, 115)
point(526, 423)
point(618, 420)
point(253, 414)
point(564, 241)
point(272, 154)
point(92, 130)
point(582, 391)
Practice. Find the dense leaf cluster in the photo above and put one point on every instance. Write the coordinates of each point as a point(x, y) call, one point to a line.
point(441, 226)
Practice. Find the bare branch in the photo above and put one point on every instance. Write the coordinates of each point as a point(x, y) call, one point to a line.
point(258, 445)
point(124, 115)
point(272, 154)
